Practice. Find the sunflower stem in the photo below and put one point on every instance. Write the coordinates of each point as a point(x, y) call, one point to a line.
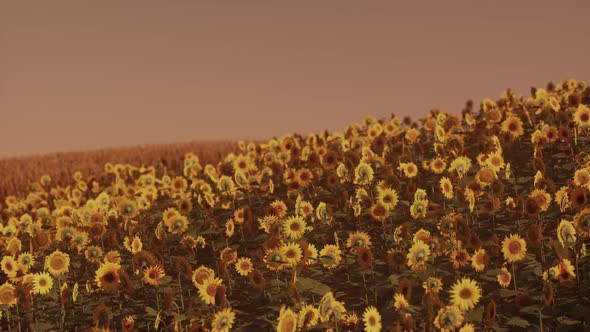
point(181, 297)
point(514, 278)
point(365, 286)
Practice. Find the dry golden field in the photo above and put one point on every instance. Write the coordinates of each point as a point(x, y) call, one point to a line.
point(18, 173)
point(470, 222)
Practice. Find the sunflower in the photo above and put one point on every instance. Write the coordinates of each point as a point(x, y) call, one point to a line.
point(357, 240)
point(582, 222)
point(42, 283)
point(410, 169)
point(495, 161)
point(378, 212)
point(438, 165)
point(513, 125)
point(274, 259)
point(363, 173)
point(447, 188)
point(582, 116)
point(294, 227)
point(153, 274)
point(400, 302)
point(372, 319)
point(418, 255)
point(136, 245)
point(225, 184)
point(465, 294)
point(478, 260)
point(542, 197)
point(229, 227)
point(582, 177)
point(566, 233)
point(200, 274)
point(304, 177)
point(223, 320)
point(9, 266)
point(278, 208)
point(209, 288)
point(243, 266)
point(461, 165)
point(257, 280)
point(292, 253)
point(7, 294)
point(287, 320)
point(432, 285)
point(468, 327)
point(93, 254)
point(177, 224)
point(107, 276)
point(460, 257)
point(58, 263)
point(514, 248)
point(365, 258)
point(26, 259)
point(504, 277)
point(565, 271)
point(419, 209)
point(388, 198)
point(308, 317)
point(330, 256)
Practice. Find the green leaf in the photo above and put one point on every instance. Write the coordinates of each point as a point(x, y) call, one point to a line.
point(151, 311)
point(311, 285)
point(567, 321)
point(517, 321)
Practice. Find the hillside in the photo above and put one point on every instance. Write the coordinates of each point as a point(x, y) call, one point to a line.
point(19, 173)
point(454, 223)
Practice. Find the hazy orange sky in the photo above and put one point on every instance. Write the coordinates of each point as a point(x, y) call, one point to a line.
point(79, 74)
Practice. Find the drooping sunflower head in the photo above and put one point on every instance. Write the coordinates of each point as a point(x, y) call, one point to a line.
point(330, 256)
point(566, 233)
point(504, 277)
point(418, 255)
point(479, 260)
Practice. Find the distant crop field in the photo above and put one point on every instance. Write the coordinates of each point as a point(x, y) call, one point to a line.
point(471, 222)
point(16, 174)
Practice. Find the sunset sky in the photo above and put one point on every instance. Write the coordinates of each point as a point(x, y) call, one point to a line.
point(83, 75)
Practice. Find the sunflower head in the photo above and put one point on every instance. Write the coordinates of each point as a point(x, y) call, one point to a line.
point(465, 294)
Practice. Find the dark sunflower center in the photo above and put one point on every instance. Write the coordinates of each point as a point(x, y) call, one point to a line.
point(514, 247)
point(109, 277)
point(465, 293)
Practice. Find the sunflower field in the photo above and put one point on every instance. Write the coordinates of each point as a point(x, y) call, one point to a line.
point(478, 221)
